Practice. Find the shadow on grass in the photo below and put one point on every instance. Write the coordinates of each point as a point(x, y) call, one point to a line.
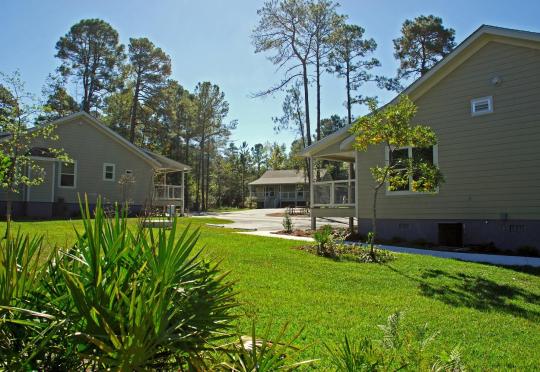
point(477, 292)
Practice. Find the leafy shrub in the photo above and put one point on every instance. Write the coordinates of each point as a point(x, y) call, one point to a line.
point(119, 299)
point(363, 253)
point(399, 349)
point(325, 241)
point(330, 243)
point(250, 202)
point(287, 223)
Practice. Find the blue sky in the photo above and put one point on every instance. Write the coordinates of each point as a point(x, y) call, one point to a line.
point(210, 41)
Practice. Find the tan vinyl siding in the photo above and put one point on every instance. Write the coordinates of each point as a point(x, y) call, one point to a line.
point(91, 148)
point(44, 191)
point(491, 162)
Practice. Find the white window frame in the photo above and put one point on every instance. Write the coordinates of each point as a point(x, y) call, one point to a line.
point(410, 192)
point(60, 168)
point(105, 165)
point(474, 101)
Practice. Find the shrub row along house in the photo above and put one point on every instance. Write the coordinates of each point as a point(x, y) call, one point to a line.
point(102, 164)
point(483, 102)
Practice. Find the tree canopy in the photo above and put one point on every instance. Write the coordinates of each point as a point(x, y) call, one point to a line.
point(423, 42)
point(90, 53)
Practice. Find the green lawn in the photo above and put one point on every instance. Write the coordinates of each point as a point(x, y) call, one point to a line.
point(492, 312)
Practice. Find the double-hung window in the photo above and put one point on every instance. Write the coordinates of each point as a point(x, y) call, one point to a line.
point(108, 172)
point(68, 175)
point(399, 157)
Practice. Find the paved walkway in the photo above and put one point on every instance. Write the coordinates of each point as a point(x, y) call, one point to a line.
point(260, 224)
point(494, 259)
point(259, 219)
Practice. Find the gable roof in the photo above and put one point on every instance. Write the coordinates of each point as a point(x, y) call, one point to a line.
point(283, 177)
point(167, 164)
point(158, 162)
point(467, 48)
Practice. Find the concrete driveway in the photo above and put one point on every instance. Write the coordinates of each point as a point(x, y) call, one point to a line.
point(265, 219)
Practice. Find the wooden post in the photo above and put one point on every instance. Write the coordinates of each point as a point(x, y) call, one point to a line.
point(350, 190)
point(183, 194)
point(312, 195)
point(356, 202)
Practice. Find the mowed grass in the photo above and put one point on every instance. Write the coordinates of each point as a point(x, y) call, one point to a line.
point(493, 313)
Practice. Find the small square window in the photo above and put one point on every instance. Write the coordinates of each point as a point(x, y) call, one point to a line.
point(108, 172)
point(481, 106)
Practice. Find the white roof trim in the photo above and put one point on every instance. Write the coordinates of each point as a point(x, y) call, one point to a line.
point(326, 141)
point(481, 31)
point(463, 46)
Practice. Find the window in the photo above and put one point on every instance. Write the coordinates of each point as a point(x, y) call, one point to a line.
point(68, 175)
point(269, 192)
point(108, 172)
point(481, 106)
point(399, 157)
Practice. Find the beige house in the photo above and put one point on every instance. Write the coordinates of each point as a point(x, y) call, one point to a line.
point(483, 102)
point(280, 188)
point(104, 164)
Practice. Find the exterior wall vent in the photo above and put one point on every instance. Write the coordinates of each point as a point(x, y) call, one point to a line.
point(481, 106)
point(515, 228)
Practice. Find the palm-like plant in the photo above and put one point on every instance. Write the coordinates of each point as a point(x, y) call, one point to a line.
point(143, 299)
point(22, 327)
point(121, 298)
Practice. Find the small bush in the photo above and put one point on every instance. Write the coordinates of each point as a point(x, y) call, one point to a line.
point(362, 253)
point(330, 243)
point(325, 241)
point(250, 202)
point(400, 348)
point(287, 223)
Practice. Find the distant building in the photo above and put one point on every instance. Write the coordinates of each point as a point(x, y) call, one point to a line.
point(280, 188)
point(100, 162)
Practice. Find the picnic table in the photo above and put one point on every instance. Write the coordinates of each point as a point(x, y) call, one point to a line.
point(297, 211)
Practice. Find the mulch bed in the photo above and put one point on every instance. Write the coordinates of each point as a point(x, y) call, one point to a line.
point(277, 214)
point(297, 232)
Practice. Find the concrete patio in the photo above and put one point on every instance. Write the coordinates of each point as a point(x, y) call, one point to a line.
point(265, 219)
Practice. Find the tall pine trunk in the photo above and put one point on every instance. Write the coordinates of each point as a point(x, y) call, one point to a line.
point(133, 118)
point(207, 176)
point(348, 86)
point(318, 78)
point(306, 102)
